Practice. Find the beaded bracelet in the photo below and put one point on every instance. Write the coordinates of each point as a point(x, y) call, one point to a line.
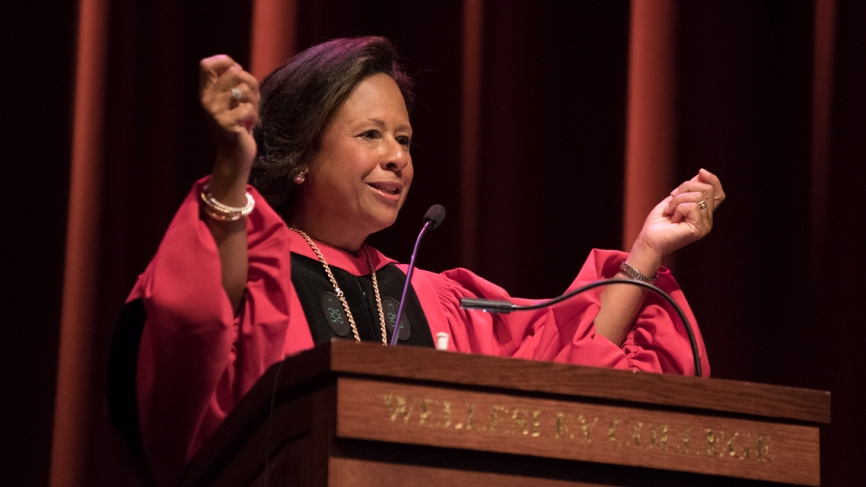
point(221, 212)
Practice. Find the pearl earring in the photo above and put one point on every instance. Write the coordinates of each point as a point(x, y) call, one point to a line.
point(299, 178)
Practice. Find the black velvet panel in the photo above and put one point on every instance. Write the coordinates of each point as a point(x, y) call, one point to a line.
point(313, 287)
point(121, 396)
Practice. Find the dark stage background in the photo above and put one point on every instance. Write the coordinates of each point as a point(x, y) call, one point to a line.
point(521, 122)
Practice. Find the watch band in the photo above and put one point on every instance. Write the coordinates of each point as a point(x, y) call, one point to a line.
point(636, 274)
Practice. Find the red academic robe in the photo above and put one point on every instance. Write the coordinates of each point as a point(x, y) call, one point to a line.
point(197, 359)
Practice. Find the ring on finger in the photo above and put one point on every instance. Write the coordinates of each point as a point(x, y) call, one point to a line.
point(702, 204)
point(237, 94)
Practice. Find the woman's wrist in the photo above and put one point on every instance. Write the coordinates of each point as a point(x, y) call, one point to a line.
point(644, 259)
point(228, 184)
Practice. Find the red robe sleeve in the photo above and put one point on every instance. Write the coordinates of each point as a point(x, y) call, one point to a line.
point(658, 341)
point(196, 359)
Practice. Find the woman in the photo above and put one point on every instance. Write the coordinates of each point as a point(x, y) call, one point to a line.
point(243, 279)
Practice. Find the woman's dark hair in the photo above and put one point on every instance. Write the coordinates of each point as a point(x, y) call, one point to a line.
point(300, 98)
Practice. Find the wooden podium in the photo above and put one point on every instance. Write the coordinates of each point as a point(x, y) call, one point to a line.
point(348, 414)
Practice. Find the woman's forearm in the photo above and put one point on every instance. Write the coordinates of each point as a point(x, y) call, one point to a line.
point(229, 188)
point(620, 303)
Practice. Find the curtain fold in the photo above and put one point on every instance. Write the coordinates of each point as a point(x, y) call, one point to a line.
point(470, 120)
point(273, 35)
point(651, 123)
point(75, 372)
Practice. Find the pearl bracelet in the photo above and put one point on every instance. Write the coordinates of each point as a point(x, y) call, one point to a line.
point(222, 212)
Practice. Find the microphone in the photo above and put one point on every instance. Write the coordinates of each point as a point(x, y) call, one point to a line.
point(435, 214)
point(432, 219)
point(505, 307)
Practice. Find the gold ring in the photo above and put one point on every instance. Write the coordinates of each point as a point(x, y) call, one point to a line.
point(702, 204)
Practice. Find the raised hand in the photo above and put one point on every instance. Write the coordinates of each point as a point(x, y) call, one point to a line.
point(230, 96)
point(683, 217)
point(680, 219)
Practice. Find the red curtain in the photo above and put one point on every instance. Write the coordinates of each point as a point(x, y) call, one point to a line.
point(545, 128)
point(651, 124)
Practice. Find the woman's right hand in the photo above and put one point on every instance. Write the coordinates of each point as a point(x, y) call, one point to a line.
point(232, 121)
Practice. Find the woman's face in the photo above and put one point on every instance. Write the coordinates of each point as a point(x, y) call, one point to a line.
point(358, 180)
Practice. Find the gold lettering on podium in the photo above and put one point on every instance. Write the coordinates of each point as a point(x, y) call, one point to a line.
point(611, 432)
point(635, 433)
point(494, 417)
point(397, 407)
point(762, 449)
point(656, 438)
point(565, 424)
point(470, 414)
point(426, 411)
point(446, 413)
point(711, 442)
point(586, 428)
point(526, 426)
point(687, 440)
point(562, 426)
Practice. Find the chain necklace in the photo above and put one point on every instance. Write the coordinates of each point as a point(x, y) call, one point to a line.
point(340, 291)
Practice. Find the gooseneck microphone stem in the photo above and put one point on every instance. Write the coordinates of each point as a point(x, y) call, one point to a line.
point(432, 219)
point(396, 333)
point(494, 306)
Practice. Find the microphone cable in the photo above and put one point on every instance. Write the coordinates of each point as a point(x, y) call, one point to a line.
point(495, 306)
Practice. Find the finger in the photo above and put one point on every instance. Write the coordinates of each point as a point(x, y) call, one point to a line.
point(710, 178)
point(233, 81)
point(244, 93)
point(213, 85)
point(706, 190)
point(235, 75)
point(674, 201)
point(242, 117)
point(238, 94)
point(692, 213)
point(681, 212)
point(692, 186)
point(248, 116)
point(233, 88)
point(245, 77)
point(226, 80)
point(211, 68)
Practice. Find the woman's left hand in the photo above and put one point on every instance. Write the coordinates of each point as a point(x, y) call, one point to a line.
point(682, 218)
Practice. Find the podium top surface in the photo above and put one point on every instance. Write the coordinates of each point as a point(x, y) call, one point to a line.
point(555, 379)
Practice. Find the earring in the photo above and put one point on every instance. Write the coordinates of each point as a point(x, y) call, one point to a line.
point(299, 178)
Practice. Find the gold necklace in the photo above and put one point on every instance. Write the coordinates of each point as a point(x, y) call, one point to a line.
point(340, 291)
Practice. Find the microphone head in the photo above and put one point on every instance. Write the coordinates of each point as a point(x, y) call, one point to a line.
point(435, 215)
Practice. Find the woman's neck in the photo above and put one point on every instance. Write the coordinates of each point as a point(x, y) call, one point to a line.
point(330, 235)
